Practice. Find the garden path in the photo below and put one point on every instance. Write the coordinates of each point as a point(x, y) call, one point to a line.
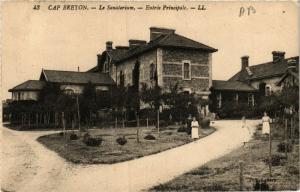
point(28, 166)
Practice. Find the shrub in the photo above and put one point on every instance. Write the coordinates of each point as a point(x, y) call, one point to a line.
point(281, 147)
point(276, 160)
point(121, 140)
point(205, 123)
point(163, 123)
point(214, 187)
point(181, 129)
point(149, 137)
point(86, 137)
point(293, 170)
point(93, 142)
point(260, 186)
point(205, 170)
point(73, 136)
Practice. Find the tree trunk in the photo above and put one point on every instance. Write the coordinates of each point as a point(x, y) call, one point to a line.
point(63, 122)
point(78, 113)
point(158, 132)
point(137, 128)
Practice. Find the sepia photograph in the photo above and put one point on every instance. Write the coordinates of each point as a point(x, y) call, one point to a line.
point(157, 96)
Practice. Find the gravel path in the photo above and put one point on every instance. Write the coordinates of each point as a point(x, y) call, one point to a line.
point(28, 166)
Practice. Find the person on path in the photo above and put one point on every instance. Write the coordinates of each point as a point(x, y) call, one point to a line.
point(244, 124)
point(195, 128)
point(266, 124)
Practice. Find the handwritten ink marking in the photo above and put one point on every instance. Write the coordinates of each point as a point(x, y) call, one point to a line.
point(249, 10)
point(93, 8)
point(140, 8)
point(192, 8)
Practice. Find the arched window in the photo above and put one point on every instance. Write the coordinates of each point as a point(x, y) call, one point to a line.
point(268, 90)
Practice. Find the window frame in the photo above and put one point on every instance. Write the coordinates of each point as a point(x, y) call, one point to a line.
point(268, 92)
point(183, 69)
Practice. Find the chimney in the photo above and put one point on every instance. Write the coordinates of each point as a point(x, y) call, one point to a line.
point(99, 62)
point(133, 43)
point(122, 47)
point(156, 31)
point(278, 56)
point(292, 65)
point(78, 69)
point(109, 45)
point(245, 61)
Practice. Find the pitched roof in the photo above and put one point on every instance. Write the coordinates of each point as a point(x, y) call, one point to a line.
point(231, 86)
point(295, 74)
point(30, 85)
point(264, 70)
point(73, 77)
point(166, 40)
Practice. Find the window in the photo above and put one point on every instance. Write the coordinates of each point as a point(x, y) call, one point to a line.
point(251, 99)
point(236, 97)
point(268, 90)
point(121, 79)
point(152, 71)
point(219, 99)
point(186, 70)
point(69, 91)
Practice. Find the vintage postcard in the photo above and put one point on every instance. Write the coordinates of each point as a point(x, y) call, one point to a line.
point(107, 96)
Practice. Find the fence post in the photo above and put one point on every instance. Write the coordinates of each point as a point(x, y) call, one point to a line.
point(270, 152)
point(63, 122)
point(138, 128)
point(241, 163)
point(285, 137)
point(147, 122)
point(158, 122)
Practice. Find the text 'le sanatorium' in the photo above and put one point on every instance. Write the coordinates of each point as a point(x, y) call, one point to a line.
point(69, 7)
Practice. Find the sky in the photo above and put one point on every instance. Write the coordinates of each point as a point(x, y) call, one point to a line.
point(63, 40)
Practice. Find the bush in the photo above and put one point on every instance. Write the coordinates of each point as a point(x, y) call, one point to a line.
point(205, 170)
point(73, 136)
point(181, 129)
point(121, 140)
point(293, 170)
point(276, 160)
point(281, 147)
point(93, 142)
point(260, 186)
point(163, 123)
point(214, 187)
point(149, 137)
point(205, 123)
point(86, 137)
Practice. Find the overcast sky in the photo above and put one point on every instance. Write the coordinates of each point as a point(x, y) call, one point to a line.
point(64, 40)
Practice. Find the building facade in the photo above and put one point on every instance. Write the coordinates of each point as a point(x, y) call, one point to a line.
point(172, 58)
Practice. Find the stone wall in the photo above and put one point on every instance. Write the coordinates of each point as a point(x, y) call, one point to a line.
point(127, 66)
point(172, 61)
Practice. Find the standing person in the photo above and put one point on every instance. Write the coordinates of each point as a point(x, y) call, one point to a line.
point(266, 124)
point(195, 128)
point(189, 124)
point(244, 124)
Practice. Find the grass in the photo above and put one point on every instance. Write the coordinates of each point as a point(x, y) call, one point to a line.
point(110, 151)
point(223, 174)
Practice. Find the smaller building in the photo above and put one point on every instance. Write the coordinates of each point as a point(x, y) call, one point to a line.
point(29, 90)
point(72, 82)
point(231, 91)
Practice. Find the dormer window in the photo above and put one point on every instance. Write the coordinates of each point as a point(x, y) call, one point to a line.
point(186, 70)
point(268, 90)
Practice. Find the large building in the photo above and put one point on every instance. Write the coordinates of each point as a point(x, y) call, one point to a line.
point(171, 57)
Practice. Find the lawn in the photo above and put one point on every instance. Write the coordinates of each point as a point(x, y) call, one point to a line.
point(110, 151)
point(223, 174)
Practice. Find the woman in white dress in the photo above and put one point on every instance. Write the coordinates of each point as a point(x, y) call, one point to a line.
point(265, 124)
point(195, 128)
